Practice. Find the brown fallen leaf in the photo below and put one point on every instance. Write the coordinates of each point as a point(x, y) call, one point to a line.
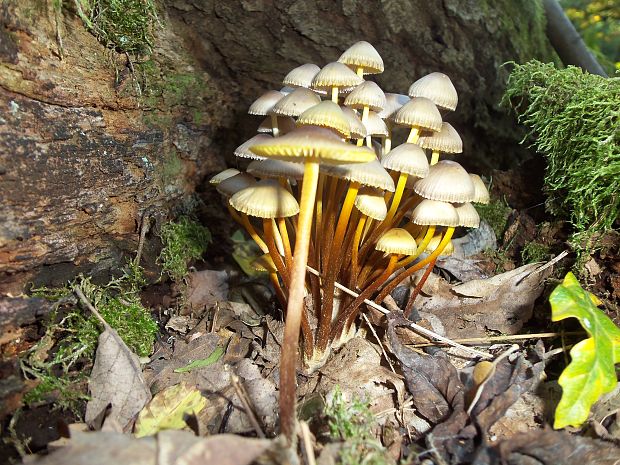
point(224, 449)
point(205, 288)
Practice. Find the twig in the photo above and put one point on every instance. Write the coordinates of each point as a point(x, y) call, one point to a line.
point(144, 228)
point(307, 443)
point(245, 400)
point(85, 301)
point(372, 330)
point(492, 339)
point(426, 332)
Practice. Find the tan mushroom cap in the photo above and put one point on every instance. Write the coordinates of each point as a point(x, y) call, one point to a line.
point(295, 103)
point(243, 151)
point(434, 242)
point(265, 199)
point(270, 168)
point(437, 87)
point(446, 140)
point(481, 192)
point(285, 124)
point(375, 126)
point(468, 216)
point(358, 130)
point(326, 114)
point(313, 143)
point(335, 75)
point(365, 55)
point(434, 212)
point(367, 94)
point(407, 158)
point(419, 112)
point(371, 203)
point(234, 184)
point(219, 177)
point(264, 263)
point(446, 181)
point(397, 241)
point(263, 104)
point(301, 76)
point(393, 103)
point(368, 174)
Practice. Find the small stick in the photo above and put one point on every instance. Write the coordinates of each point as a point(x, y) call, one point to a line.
point(426, 332)
point(307, 443)
point(85, 301)
point(245, 400)
point(372, 330)
point(491, 339)
point(144, 228)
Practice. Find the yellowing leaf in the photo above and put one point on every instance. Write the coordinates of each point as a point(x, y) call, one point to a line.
point(591, 372)
point(168, 409)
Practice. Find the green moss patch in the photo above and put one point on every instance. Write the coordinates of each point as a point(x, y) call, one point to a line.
point(496, 214)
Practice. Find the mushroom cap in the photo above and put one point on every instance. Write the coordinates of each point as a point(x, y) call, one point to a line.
point(419, 112)
point(234, 184)
point(434, 242)
point(358, 130)
point(265, 199)
point(481, 192)
point(264, 263)
point(313, 143)
point(285, 124)
point(368, 174)
point(397, 241)
point(295, 103)
point(270, 168)
point(335, 75)
point(367, 94)
point(407, 158)
point(393, 103)
point(435, 212)
point(326, 114)
point(375, 126)
point(437, 87)
point(287, 90)
point(446, 140)
point(365, 55)
point(446, 181)
point(371, 203)
point(301, 76)
point(219, 177)
point(243, 151)
point(468, 216)
point(263, 104)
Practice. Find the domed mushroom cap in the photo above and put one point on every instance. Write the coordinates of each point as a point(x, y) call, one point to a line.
point(367, 94)
point(335, 75)
point(437, 87)
point(234, 184)
point(270, 168)
point(285, 124)
point(243, 151)
point(371, 203)
point(301, 76)
point(393, 103)
point(375, 126)
point(365, 55)
point(358, 130)
point(446, 181)
point(295, 103)
point(313, 143)
point(264, 264)
point(419, 112)
point(433, 212)
point(263, 104)
point(481, 192)
point(407, 158)
point(397, 241)
point(265, 199)
point(446, 140)
point(434, 242)
point(468, 216)
point(326, 114)
point(219, 177)
point(368, 174)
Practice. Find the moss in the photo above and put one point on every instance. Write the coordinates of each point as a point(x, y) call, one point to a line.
point(533, 252)
point(183, 241)
point(573, 120)
point(496, 214)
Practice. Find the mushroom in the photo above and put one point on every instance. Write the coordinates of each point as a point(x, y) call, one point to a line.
point(445, 140)
point(418, 113)
point(481, 193)
point(393, 103)
point(334, 76)
point(263, 105)
point(367, 96)
point(363, 58)
point(437, 87)
point(301, 76)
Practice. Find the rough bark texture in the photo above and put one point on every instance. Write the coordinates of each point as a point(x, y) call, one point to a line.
point(83, 157)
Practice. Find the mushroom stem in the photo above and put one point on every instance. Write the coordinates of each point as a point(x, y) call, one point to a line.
point(414, 135)
point(274, 125)
point(295, 307)
point(335, 95)
point(360, 71)
point(286, 243)
point(434, 157)
point(273, 251)
point(245, 221)
point(276, 285)
point(418, 288)
point(277, 238)
point(387, 141)
point(398, 194)
point(355, 247)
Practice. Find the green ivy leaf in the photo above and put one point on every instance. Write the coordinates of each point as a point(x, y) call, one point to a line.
point(591, 372)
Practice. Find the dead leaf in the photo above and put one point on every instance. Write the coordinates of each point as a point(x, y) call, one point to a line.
point(116, 381)
point(205, 288)
point(224, 449)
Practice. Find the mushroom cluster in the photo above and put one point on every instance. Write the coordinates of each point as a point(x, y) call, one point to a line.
point(324, 176)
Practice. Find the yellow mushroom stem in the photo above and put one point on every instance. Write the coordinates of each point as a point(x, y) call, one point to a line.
point(387, 141)
point(274, 125)
point(273, 277)
point(243, 219)
point(414, 135)
point(365, 112)
point(434, 157)
point(430, 232)
point(418, 288)
point(335, 95)
point(418, 266)
point(273, 251)
point(360, 71)
point(295, 307)
point(398, 195)
point(355, 246)
point(277, 237)
point(286, 243)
